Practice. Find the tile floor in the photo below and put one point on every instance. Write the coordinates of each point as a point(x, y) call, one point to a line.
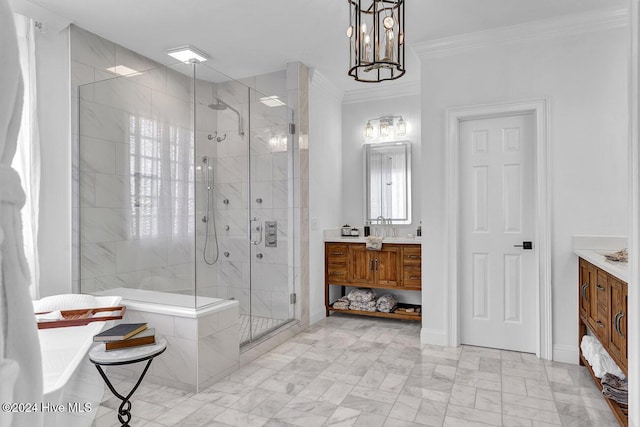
point(356, 371)
point(259, 326)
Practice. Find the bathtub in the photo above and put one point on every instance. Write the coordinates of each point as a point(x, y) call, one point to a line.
point(69, 379)
point(203, 341)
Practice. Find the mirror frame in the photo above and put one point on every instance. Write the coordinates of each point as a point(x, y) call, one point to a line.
point(366, 150)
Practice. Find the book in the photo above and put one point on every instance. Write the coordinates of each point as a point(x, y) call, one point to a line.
point(146, 337)
point(120, 332)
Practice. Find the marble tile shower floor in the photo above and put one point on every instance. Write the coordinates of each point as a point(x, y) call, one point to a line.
point(351, 371)
point(256, 326)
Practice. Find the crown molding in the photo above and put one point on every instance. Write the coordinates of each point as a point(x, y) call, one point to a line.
point(381, 92)
point(325, 86)
point(45, 16)
point(553, 28)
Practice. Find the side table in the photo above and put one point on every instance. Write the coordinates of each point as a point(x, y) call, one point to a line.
point(99, 357)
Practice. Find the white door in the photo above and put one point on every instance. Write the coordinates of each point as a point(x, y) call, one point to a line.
point(497, 302)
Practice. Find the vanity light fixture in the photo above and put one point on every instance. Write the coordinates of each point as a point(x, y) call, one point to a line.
point(188, 54)
point(368, 130)
point(376, 40)
point(385, 124)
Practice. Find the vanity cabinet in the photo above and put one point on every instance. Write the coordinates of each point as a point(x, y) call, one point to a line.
point(602, 302)
point(394, 267)
point(375, 269)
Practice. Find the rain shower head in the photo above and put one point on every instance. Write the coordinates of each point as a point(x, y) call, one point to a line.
point(218, 107)
point(221, 105)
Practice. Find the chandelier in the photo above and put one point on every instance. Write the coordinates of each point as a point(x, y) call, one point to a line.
point(376, 40)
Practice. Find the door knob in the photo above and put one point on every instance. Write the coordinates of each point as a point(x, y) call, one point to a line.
point(524, 245)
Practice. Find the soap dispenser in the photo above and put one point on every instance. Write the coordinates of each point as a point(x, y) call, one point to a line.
point(419, 230)
point(367, 229)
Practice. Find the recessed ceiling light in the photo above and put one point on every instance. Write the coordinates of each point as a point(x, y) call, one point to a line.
point(187, 54)
point(123, 70)
point(272, 101)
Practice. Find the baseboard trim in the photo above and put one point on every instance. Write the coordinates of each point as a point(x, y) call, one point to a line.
point(433, 337)
point(566, 353)
point(317, 316)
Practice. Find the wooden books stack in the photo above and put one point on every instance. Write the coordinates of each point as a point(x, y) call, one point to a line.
point(126, 335)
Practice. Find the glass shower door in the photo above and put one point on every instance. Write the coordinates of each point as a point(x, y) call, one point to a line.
point(271, 207)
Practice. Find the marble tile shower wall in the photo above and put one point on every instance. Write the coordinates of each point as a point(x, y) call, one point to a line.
point(164, 258)
point(128, 236)
point(260, 172)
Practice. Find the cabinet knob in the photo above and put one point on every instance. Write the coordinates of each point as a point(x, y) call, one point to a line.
point(414, 277)
point(600, 288)
point(414, 256)
point(600, 324)
point(337, 253)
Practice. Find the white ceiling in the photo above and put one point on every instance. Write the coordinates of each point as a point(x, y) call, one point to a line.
point(251, 37)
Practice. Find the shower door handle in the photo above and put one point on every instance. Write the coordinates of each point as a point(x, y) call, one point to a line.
point(258, 228)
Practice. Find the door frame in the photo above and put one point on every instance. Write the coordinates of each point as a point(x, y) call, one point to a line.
point(542, 250)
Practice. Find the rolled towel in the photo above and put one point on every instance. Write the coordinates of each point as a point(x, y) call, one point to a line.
point(363, 306)
point(361, 295)
point(600, 361)
point(386, 303)
point(374, 243)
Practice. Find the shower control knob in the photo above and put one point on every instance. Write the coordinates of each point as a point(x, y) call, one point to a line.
point(226, 254)
point(258, 200)
point(259, 256)
point(226, 227)
point(225, 201)
point(204, 219)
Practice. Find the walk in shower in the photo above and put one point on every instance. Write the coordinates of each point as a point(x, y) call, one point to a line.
point(186, 181)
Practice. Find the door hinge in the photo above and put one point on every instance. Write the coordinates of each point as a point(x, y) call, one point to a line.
point(292, 298)
point(292, 128)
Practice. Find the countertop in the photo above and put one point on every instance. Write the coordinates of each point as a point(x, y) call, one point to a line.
point(335, 235)
point(596, 257)
point(387, 240)
point(594, 248)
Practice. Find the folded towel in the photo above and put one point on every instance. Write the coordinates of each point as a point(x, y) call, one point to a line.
point(48, 317)
point(615, 388)
point(342, 303)
point(374, 243)
point(386, 303)
point(361, 295)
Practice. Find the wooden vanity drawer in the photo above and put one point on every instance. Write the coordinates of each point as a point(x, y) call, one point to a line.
point(337, 273)
point(412, 277)
point(336, 253)
point(412, 255)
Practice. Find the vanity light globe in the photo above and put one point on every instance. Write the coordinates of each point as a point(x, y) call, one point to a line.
point(401, 127)
point(368, 131)
point(384, 128)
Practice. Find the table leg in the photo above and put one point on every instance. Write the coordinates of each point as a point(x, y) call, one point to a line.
point(125, 407)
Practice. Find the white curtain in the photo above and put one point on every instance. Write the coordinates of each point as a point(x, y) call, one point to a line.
point(20, 360)
point(27, 158)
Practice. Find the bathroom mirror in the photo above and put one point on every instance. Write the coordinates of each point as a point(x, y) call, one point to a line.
point(387, 181)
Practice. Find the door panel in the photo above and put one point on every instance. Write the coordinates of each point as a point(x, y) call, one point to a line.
point(387, 266)
point(496, 213)
point(361, 265)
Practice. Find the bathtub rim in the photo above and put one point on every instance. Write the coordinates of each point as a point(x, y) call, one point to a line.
point(210, 306)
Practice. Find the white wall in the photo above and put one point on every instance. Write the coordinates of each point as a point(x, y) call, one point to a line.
point(54, 239)
point(325, 181)
point(584, 78)
point(354, 117)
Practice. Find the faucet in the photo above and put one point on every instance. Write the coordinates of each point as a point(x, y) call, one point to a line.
point(381, 232)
